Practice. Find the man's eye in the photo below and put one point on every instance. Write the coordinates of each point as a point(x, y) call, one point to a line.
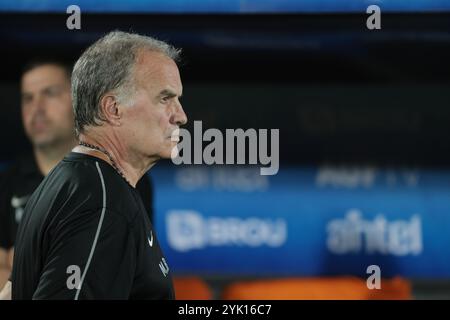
point(26, 99)
point(52, 92)
point(165, 99)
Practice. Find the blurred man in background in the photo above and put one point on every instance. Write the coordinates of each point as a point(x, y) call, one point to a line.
point(48, 120)
point(47, 117)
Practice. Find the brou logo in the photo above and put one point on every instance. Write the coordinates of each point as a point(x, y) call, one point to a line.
point(188, 230)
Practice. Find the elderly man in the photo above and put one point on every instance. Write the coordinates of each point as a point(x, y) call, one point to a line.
point(85, 233)
point(48, 120)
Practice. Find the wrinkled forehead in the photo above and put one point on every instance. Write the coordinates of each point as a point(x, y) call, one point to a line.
point(155, 71)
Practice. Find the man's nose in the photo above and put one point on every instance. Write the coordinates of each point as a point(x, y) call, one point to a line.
point(39, 104)
point(180, 116)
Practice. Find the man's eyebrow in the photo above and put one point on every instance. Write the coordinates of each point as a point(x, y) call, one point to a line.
point(168, 93)
point(49, 87)
point(53, 86)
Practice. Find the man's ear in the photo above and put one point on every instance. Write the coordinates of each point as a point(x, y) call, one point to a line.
point(110, 109)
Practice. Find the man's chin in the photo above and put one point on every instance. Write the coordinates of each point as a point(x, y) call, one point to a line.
point(166, 155)
point(42, 142)
point(174, 153)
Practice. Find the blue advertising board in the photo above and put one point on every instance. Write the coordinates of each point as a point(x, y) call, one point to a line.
point(223, 6)
point(303, 221)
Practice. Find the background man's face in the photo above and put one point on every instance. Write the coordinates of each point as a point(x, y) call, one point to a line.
point(47, 113)
point(156, 111)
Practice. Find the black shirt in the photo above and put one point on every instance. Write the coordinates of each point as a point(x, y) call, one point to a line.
point(19, 182)
point(17, 185)
point(85, 234)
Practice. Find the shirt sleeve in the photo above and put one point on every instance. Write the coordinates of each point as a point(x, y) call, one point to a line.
point(145, 189)
point(6, 241)
point(92, 256)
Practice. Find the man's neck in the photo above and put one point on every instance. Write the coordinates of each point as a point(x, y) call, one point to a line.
point(131, 167)
point(48, 157)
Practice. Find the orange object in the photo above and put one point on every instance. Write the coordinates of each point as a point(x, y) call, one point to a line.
point(333, 288)
point(191, 288)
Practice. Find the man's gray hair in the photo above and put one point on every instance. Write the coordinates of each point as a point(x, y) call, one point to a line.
point(108, 66)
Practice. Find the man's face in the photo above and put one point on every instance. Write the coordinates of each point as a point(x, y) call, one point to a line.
point(155, 112)
point(47, 106)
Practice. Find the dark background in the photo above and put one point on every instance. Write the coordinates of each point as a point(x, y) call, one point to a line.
point(337, 91)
